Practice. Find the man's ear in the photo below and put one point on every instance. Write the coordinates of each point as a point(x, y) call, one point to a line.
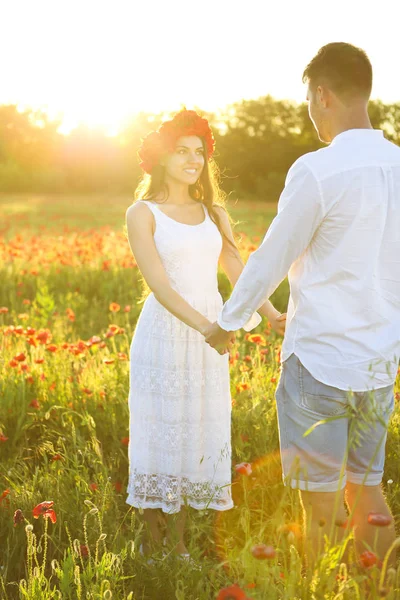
point(324, 96)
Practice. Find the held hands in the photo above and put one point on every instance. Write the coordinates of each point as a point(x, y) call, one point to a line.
point(219, 339)
point(278, 323)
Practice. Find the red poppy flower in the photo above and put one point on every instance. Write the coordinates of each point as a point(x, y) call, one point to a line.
point(13, 363)
point(261, 551)
point(56, 457)
point(43, 336)
point(87, 391)
point(114, 307)
point(118, 486)
point(379, 520)
point(233, 592)
point(34, 403)
point(94, 487)
point(368, 559)
point(3, 310)
point(95, 339)
point(108, 361)
point(51, 348)
point(20, 357)
point(45, 509)
point(244, 468)
point(39, 361)
point(125, 441)
point(257, 338)
point(127, 308)
point(273, 379)
point(4, 495)
point(3, 438)
point(18, 517)
point(84, 550)
point(122, 356)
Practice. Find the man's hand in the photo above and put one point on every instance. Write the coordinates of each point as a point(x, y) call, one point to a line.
point(219, 339)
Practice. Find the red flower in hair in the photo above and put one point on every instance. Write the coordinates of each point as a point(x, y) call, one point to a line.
point(157, 143)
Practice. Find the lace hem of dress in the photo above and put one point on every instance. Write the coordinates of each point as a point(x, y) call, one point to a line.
point(170, 493)
point(166, 507)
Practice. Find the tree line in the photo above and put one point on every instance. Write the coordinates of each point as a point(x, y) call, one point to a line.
point(256, 142)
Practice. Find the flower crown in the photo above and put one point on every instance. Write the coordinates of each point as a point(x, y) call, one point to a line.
point(157, 143)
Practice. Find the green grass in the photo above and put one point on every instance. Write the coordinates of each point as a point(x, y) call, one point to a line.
point(69, 252)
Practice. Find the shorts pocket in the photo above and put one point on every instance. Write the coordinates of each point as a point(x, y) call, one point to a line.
point(320, 399)
point(324, 406)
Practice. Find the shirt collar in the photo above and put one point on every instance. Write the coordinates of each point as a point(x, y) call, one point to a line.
point(357, 134)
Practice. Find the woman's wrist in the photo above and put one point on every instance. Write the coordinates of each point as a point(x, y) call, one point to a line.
point(203, 326)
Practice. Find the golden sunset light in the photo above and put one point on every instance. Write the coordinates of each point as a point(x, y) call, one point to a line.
point(98, 63)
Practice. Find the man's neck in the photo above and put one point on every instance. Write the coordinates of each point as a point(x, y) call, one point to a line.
point(351, 120)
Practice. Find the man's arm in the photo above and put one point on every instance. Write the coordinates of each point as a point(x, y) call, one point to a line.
point(300, 212)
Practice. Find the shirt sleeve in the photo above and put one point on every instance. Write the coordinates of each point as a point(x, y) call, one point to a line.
point(300, 212)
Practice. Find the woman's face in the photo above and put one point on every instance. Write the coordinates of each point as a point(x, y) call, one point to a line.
point(186, 162)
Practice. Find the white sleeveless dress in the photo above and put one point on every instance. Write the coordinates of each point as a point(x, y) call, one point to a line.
point(179, 396)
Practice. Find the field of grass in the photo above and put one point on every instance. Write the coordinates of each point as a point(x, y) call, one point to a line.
point(68, 307)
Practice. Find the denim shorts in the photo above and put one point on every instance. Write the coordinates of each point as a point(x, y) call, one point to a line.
point(329, 436)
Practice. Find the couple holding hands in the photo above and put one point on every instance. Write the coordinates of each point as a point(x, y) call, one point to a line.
point(336, 236)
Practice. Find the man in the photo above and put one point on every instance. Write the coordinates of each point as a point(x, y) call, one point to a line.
point(337, 233)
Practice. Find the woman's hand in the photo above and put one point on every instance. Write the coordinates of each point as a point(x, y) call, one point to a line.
point(278, 322)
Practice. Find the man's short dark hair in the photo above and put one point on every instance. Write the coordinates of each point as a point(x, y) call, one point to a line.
point(344, 68)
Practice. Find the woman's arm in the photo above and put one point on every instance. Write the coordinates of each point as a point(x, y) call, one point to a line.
point(232, 264)
point(140, 225)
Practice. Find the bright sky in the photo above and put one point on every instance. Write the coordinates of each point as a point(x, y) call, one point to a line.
point(98, 61)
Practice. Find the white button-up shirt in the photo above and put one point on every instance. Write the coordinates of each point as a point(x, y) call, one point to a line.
point(337, 233)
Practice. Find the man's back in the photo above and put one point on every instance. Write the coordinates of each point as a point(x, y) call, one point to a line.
point(344, 313)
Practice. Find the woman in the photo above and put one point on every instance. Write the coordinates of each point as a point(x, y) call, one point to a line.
point(180, 403)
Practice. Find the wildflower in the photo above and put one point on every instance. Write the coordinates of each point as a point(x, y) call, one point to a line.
point(127, 308)
point(43, 336)
point(108, 361)
point(39, 361)
point(84, 550)
point(257, 338)
point(243, 468)
point(20, 357)
point(4, 495)
point(233, 592)
point(94, 487)
point(13, 363)
point(24, 367)
point(87, 391)
point(3, 310)
point(241, 387)
point(51, 348)
point(3, 438)
point(261, 551)
point(368, 559)
point(114, 307)
point(125, 441)
point(95, 339)
point(34, 403)
point(122, 356)
point(273, 379)
point(118, 486)
point(244, 437)
point(56, 457)
point(45, 509)
point(26, 302)
point(18, 517)
point(379, 520)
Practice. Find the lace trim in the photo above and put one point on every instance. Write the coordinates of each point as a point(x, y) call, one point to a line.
point(170, 493)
